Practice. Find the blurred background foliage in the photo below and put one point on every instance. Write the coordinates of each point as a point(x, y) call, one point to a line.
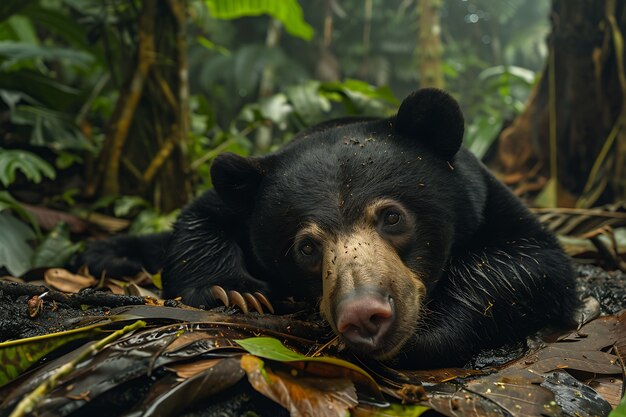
point(112, 111)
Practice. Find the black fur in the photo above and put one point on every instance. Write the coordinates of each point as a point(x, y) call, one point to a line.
point(493, 274)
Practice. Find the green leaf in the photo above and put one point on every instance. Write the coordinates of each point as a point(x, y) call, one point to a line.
point(67, 159)
point(7, 202)
point(56, 249)
point(620, 410)
point(481, 134)
point(14, 52)
point(50, 128)
point(288, 12)
point(548, 197)
point(394, 410)
point(61, 23)
point(39, 89)
point(276, 109)
point(15, 252)
point(307, 101)
point(273, 349)
point(32, 166)
point(150, 221)
point(16, 356)
point(125, 205)
point(23, 29)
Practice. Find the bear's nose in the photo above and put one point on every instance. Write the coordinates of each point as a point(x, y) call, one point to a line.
point(364, 320)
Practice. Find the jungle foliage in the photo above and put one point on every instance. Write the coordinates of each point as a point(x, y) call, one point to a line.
point(111, 112)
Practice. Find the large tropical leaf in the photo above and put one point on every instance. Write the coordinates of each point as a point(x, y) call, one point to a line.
point(15, 252)
point(37, 88)
point(288, 12)
point(14, 52)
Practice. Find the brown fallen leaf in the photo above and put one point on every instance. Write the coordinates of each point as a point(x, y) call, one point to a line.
point(187, 370)
point(555, 357)
point(106, 223)
point(516, 395)
point(133, 289)
point(302, 396)
point(116, 286)
point(609, 388)
point(48, 218)
point(65, 281)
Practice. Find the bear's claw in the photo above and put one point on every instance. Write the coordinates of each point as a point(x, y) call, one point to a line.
point(244, 302)
point(219, 294)
point(264, 301)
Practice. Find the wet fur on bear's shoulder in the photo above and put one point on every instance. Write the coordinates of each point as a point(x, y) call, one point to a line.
point(413, 251)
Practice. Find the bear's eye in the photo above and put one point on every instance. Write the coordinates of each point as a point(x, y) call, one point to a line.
point(307, 248)
point(391, 218)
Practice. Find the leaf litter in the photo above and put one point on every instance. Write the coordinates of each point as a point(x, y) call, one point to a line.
point(185, 356)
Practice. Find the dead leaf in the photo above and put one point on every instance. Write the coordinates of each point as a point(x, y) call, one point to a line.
point(65, 281)
point(48, 218)
point(12, 279)
point(453, 401)
point(187, 370)
point(574, 397)
point(107, 223)
point(114, 286)
point(516, 395)
point(134, 289)
point(576, 222)
point(610, 388)
point(554, 357)
point(301, 396)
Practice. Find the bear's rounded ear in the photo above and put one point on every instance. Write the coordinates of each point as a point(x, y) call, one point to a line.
point(433, 117)
point(236, 179)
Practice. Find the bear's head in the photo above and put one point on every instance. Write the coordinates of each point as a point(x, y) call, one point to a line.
point(359, 216)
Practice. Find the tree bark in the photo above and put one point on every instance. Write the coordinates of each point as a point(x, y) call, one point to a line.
point(430, 51)
point(587, 102)
point(145, 149)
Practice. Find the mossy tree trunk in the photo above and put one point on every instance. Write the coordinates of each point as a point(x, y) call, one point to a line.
point(573, 129)
point(144, 152)
point(429, 49)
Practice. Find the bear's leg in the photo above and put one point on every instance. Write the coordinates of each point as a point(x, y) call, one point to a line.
point(491, 296)
point(205, 262)
point(124, 256)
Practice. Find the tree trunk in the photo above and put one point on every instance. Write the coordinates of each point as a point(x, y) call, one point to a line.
point(144, 152)
point(263, 138)
point(577, 109)
point(430, 51)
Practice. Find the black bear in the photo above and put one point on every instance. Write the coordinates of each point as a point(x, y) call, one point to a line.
point(412, 249)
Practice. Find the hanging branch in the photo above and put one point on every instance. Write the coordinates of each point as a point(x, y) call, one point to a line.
point(170, 143)
point(160, 158)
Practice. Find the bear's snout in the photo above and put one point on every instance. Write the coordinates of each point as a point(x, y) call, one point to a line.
point(365, 319)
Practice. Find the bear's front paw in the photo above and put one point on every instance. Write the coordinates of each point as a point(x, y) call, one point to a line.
point(244, 301)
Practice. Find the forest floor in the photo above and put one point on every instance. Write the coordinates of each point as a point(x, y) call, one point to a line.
point(24, 313)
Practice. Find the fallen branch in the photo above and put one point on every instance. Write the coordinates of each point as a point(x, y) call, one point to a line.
point(86, 297)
